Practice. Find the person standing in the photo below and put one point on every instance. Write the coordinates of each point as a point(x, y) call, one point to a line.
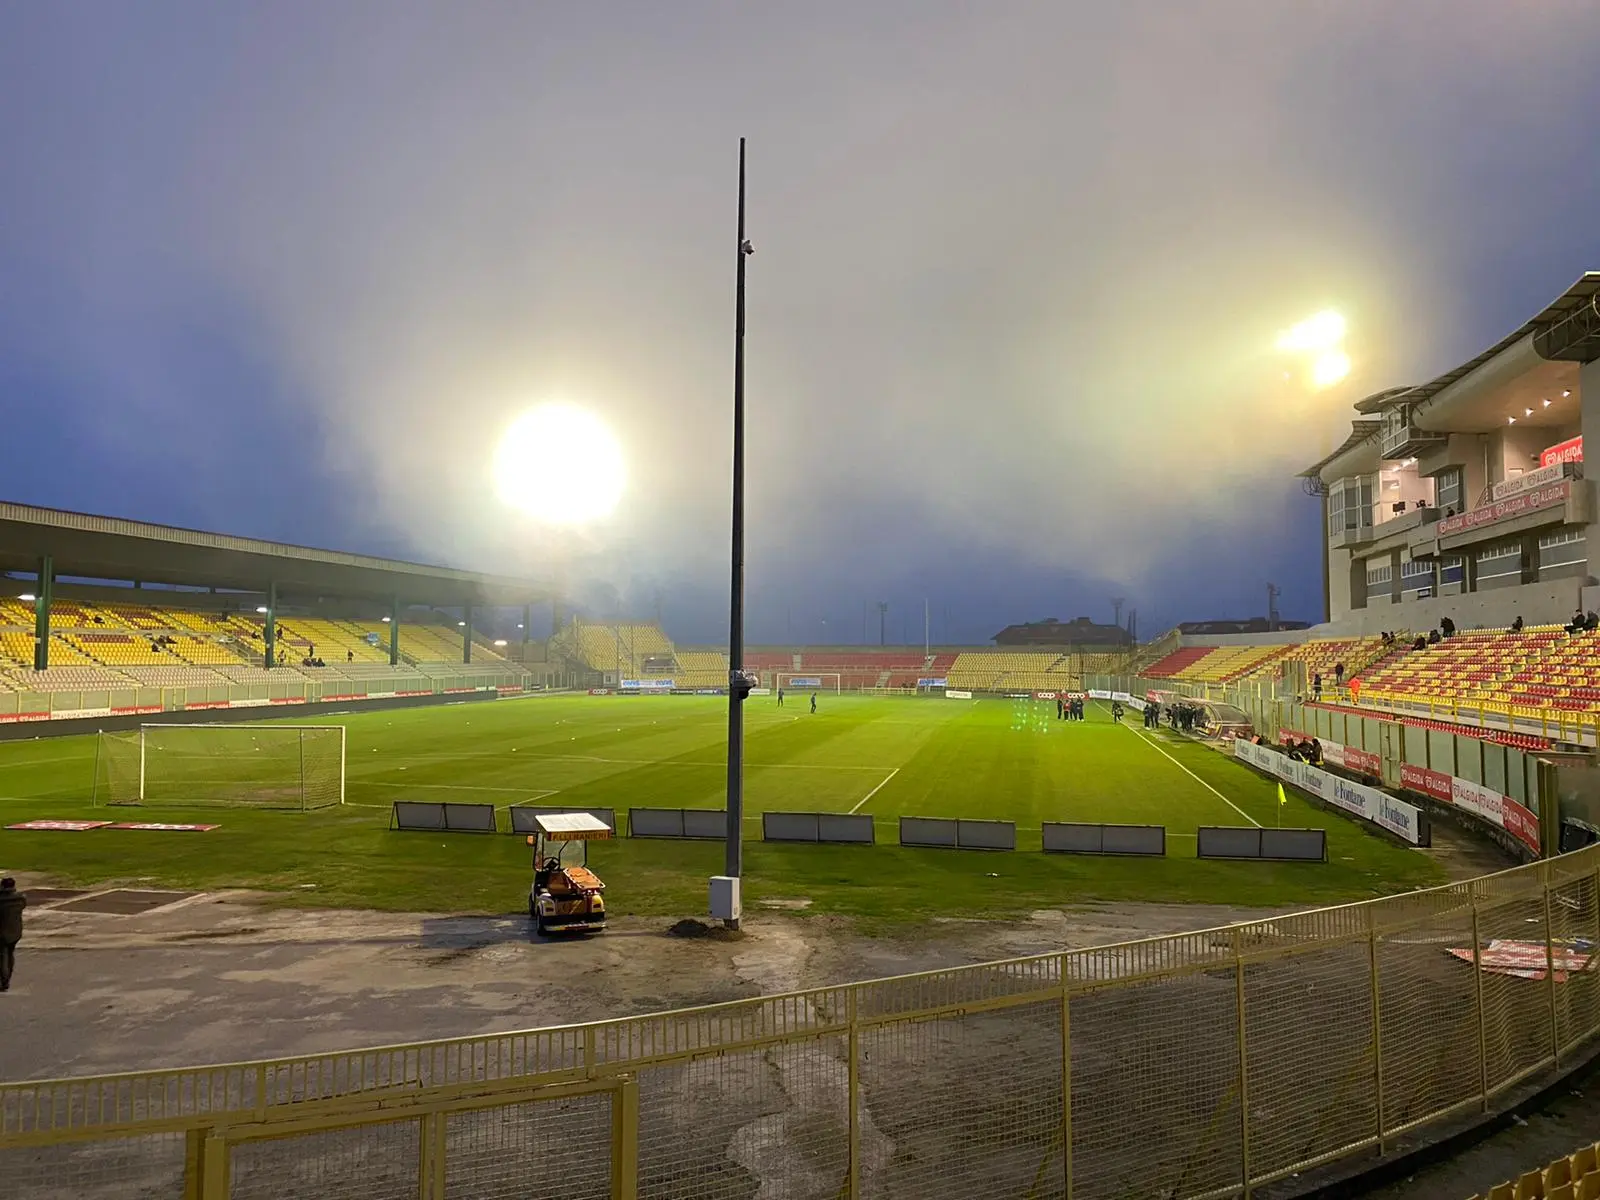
point(12, 902)
point(813, 702)
point(780, 697)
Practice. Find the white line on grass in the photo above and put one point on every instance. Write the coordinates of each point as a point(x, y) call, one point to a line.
point(875, 790)
point(1156, 746)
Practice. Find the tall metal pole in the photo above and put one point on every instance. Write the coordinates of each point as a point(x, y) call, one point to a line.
point(734, 865)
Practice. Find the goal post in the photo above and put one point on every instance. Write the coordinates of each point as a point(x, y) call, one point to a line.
point(807, 681)
point(242, 766)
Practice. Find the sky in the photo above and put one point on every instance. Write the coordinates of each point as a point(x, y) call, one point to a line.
point(289, 270)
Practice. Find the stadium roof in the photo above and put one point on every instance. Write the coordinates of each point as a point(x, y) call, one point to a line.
point(1565, 330)
point(116, 548)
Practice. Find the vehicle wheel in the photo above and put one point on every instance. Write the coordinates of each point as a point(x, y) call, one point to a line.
point(538, 926)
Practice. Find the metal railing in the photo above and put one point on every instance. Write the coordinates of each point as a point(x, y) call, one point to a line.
point(1197, 1065)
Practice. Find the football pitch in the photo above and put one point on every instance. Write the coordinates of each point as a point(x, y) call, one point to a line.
point(887, 757)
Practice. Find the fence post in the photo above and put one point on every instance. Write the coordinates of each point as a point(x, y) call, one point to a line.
point(1244, 1066)
point(214, 1182)
point(1550, 966)
point(624, 1140)
point(853, 1095)
point(1477, 991)
point(1377, 1020)
point(1066, 1075)
point(431, 1157)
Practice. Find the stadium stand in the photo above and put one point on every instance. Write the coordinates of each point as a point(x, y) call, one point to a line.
point(1469, 666)
point(1169, 665)
point(331, 641)
point(1566, 676)
point(982, 671)
point(700, 669)
point(1226, 663)
point(1574, 1176)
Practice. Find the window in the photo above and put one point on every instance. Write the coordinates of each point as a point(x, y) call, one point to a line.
point(1350, 506)
point(1379, 574)
point(1447, 488)
point(1500, 564)
point(1452, 570)
point(1416, 575)
point(1563, 548)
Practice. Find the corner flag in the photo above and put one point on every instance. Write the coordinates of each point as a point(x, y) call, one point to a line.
point(1282, 799)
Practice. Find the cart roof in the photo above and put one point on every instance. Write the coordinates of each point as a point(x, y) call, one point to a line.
point(574, 827)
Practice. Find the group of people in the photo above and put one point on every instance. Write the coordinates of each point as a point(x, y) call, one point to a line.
point(1183, 717)
point(1069, 708)
point(1338, 677)
point(1307, 751)
point(1582, 621)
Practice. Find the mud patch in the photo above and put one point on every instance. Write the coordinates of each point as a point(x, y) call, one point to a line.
point(690, 928)
point(122, 902)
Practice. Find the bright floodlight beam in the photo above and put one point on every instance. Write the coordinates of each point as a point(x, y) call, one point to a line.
point(1329, 368)
point(560, 464)
point(1319, 333)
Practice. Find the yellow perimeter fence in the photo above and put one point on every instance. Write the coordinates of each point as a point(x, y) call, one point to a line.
point(1198, 1065)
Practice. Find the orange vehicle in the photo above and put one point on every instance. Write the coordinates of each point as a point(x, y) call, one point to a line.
point(566, 895)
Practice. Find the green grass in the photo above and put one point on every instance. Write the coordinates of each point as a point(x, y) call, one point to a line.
point(924, 757)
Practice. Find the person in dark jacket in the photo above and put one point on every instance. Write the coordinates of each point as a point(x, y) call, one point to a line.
point(12, 902)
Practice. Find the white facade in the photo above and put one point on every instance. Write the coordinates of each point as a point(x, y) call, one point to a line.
point(1469, 500)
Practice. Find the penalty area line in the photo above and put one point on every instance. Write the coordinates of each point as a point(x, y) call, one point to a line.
point(875, 790)
point(1156, 746)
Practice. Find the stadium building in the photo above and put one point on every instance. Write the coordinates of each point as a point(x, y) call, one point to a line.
point(1465, 496)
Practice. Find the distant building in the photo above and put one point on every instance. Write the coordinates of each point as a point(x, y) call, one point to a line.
point(1251, 625)
point(1053, 632)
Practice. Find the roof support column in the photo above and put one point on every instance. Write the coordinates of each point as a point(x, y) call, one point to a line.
point(466, 635)
point(394, 632)
point(271, 634)
point(527, 623)
point(41, 613)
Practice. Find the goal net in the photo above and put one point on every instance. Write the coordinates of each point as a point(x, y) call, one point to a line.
point(252, 766)
point(807, 681)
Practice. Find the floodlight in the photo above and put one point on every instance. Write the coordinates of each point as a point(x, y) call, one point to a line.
point(1329, 368)
point(499, 641)
point(386, 620)
point(261, 608)
point(28, 596)
point(1321, 332)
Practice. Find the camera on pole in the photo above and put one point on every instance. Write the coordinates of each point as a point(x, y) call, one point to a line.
point(740, 683)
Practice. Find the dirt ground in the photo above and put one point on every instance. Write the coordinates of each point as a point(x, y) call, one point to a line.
point(220, 977)
point(225, 976)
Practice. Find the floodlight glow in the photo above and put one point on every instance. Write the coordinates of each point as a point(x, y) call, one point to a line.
point(28, 596)
point(1330, 368)
point(261, 608)
point(461, 624)
point(561, 465)
point(386, 620)
point(499, 641)
point(1321, 332)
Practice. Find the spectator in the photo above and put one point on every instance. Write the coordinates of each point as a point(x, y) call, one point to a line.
point(1420, 644)
point(1593, 621)
point(349, 656)
point(1433, 637)
point(1447, 627)
point(1516, 626)
point(1576, 624)
point(1316, 686)
point(12, 902)
point(1338, 674)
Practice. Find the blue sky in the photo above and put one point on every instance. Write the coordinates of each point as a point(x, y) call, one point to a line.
point(288, 270)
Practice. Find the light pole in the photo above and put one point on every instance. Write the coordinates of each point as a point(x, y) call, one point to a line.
point(725, 899)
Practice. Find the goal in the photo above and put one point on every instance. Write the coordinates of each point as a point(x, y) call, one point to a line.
point(807, 681)
point(250, 766)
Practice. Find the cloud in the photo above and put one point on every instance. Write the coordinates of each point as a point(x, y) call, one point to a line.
point(1018, 269)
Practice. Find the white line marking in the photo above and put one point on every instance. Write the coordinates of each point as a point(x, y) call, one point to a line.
point(1156, 746)
point(875, 790)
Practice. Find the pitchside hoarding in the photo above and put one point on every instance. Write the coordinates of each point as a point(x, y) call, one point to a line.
point(1494, 807)
point(1398, 817)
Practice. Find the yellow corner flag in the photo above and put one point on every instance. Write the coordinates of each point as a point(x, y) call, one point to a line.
point(1282, 799)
